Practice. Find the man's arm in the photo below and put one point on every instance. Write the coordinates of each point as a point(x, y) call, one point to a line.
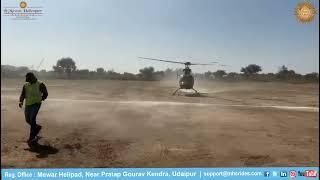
point(43, 90)
point(22, 96)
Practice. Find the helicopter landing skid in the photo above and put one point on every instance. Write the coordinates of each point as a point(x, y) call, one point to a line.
point(174, 93)
point(195, 91)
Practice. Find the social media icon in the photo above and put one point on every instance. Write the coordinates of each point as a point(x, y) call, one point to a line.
point(283, 174)
point(301, 173)
point(274, 173)
point(311, 173)
point(266, 174)
point(293, 174)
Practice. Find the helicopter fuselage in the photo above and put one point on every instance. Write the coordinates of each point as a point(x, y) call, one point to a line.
point(186, 82)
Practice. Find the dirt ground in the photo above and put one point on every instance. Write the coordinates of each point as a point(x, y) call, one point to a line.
point(139, 124)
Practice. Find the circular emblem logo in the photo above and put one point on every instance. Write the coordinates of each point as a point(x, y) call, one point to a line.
point(23, 4)
point(305, 12)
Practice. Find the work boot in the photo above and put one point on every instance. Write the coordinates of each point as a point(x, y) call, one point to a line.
point(33, 142)
point(38, 129)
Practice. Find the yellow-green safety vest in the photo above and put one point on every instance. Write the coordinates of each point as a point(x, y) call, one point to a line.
point(33, 93)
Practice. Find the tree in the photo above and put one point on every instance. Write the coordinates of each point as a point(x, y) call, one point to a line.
point(65, 65)
point(82, 73)
point(23, 69)
point(101, 72)
point(128, 76)
point(283, 68)
point(158, 75)
point(232, 76)
point(284, 73)
point(312, 76)
point(169, 73)
point(110, 74)
point(146, 73)
point(209, 75)
point(219, 74)
point(251, 69)
point(58, 69)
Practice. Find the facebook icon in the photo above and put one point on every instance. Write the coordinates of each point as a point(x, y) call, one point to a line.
point(283, 174)
point(266, 174)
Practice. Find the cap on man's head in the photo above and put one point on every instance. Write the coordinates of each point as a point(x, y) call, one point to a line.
point(30, 77)
point(30, 74)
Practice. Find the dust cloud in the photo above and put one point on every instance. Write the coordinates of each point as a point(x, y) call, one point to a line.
point(140, 124)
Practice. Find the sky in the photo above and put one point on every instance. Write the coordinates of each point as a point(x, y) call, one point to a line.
point(113, 33)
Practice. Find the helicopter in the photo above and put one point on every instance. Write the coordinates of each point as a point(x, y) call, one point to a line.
point(186, 81)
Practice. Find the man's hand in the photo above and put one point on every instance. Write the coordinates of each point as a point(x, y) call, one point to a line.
point(20, 104)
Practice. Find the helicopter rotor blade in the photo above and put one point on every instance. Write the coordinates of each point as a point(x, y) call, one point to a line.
point(177, 62)
point(162, 60)
point(201, 64)
point(40, 64)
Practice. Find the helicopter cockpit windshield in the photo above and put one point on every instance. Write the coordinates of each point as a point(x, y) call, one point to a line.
point(187, 71)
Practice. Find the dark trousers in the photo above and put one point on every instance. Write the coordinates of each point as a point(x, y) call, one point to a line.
point(31, 113)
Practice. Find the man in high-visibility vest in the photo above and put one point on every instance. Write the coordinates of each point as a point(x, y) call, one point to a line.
point(34, 92)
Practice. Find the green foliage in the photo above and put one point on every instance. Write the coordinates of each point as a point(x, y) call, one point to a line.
point(149, 74)
point(251, 69)
point(146, 73)
point(129, 76)
point(312, 77)
point(219, 74)
point(100, 71)
point(65, 65)
point(208, 75)
point(12, 71)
